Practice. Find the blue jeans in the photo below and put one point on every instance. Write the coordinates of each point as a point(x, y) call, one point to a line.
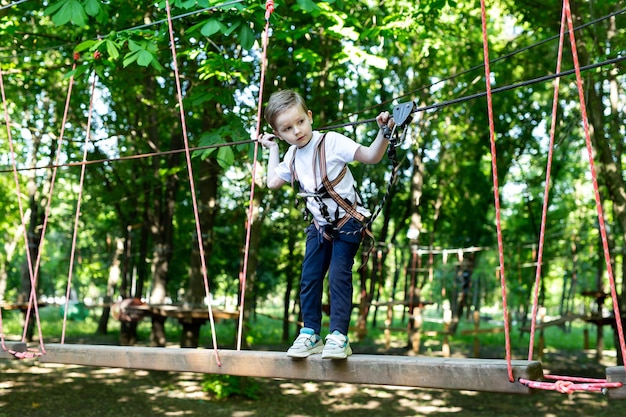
point(335, 256)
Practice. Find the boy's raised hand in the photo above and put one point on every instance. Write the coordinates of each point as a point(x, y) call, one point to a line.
point(385, 119)
point(268, 140)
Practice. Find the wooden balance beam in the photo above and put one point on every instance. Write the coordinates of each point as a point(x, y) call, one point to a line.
point(489, 375)
point(14, 346)
point(616, 374)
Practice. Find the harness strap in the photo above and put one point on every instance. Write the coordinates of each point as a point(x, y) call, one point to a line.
point(351, 210)
point(328, 186)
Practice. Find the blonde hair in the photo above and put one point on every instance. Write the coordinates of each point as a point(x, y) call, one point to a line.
point(281, 101)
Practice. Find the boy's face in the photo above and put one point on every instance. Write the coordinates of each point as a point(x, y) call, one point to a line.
point(294, 126)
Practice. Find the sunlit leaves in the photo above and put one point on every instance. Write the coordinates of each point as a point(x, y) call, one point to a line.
point(308, 6)
point(216, 26)
point(246, 37)
point(211, 27)
point(143, 53)
point(74, 11)
point(65, 11)
point(223, 154)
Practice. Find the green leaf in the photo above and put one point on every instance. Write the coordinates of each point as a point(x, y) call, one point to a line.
point(83, 46)
point(225, 157)
point(246, 37)
point(211, 27)
point(308, 5)
point(92, 7)
point(54, 7)
point(232, 28)
point(156, 65)
point(112, 49)
point(134, 46)
point(187, 4)
point(129, 58)
point(144, 58)
point(78, 15)
point(62, 14)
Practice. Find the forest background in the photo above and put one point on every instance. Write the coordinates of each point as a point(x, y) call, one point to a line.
point(136, 234)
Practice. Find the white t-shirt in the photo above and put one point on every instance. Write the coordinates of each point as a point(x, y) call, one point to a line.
point(340, 150)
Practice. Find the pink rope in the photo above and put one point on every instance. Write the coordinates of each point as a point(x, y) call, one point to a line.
point(592, 168)
point(569, 384)
point(32, 301)
point(4, 347)
point(269, 9)
point(33, 293)
point(54, 175)
point(546, 192)
point(192, 183)
point(496, 194)
point(78, 206)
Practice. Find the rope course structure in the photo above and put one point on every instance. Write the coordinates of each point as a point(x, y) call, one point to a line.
point(523, 376)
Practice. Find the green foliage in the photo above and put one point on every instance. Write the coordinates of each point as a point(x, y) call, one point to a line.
point(143, 53)
point(226, 386)
point(76, 12)
point(65, 11)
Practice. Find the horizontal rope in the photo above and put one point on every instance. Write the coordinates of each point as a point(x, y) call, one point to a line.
point(495, 90)
point(493, 61)
point(416, 110)
point(569, 384)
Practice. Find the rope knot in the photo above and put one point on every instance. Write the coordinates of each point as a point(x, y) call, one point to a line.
point(29, 354)
point(269, 8)
point(564, 387)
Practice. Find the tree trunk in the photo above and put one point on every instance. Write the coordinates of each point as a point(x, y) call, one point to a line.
point(114, 277)
point(253, 254)
point(291, 274)
point(208, 185)
point(9, 248)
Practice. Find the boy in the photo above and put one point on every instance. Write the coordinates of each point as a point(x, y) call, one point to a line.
point(317, 162)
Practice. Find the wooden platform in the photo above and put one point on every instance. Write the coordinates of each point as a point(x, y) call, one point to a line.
point(182, 313)
point(616, 374)
point(14, 346)
point(426, 372)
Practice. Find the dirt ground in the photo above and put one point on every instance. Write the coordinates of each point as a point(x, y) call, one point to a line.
point(33, 389)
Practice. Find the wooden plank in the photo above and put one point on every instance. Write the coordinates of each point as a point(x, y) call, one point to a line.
point(616, 374)
point(493, 330)
point(445, 373)
point(556, 322)
point(14, 346)
point(181, 313)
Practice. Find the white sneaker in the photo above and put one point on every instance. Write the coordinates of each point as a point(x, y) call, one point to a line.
point(337, 346)
point(307, 343)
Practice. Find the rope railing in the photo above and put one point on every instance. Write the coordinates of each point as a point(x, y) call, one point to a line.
point(496, 192)
point(570, 384)
point(269, 9)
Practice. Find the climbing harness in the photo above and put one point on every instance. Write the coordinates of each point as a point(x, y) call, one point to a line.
point(402, 117)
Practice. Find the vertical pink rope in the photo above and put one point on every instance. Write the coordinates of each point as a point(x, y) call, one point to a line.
point(269, 9)
point(8, 126)
point(4, 347)
point(496, 193)
point(78, 207)
point(546, 192)
point(33, 283)
point(192, 182)
point(592, 168)
point(53, 177)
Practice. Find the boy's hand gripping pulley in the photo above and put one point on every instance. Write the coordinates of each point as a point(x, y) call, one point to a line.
point(402, 117)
